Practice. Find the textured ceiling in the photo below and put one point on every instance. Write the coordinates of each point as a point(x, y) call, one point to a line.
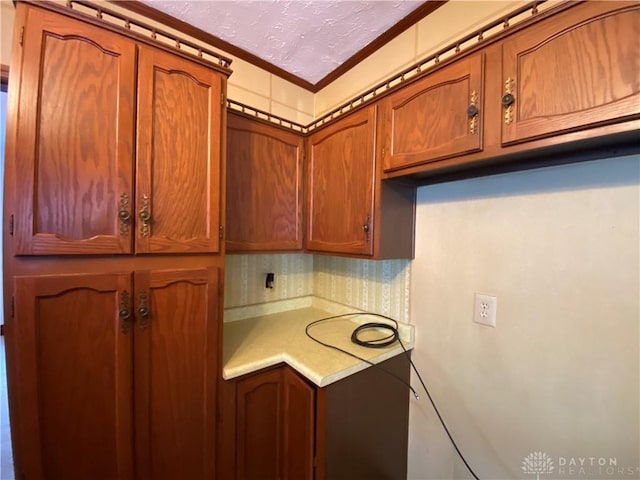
point(307, 38)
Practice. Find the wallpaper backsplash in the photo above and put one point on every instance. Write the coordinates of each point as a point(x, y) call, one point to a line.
point(245, 277)
point(380, 286)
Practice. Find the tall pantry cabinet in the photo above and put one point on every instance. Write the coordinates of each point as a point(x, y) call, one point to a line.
point(113, 256)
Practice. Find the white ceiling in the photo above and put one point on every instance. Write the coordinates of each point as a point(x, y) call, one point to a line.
point(307, 38)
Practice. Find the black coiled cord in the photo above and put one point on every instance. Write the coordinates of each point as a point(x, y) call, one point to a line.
point(383, 342)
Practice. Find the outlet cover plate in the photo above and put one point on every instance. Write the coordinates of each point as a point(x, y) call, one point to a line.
point(484, 309)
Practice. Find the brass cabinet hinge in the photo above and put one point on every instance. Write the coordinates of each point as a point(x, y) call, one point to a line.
point(220, 232)
point(11, 225)
point(21, 36)
point(222, 98)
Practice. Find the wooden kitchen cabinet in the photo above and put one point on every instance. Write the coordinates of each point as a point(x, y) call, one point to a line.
point(437, 117)
point(277, 425)
point(74, 166)
point(150, 341)
point(264, 187)
point(178, 158)
point(80, 192)
point(176, 369)
point(75, 377)
point(565, 83)
point(350, 211)
point(113, 150)
point(576, 70)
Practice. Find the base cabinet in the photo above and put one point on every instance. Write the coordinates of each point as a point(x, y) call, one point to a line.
point(75, 377)
point(277, 425)
point(140, 369)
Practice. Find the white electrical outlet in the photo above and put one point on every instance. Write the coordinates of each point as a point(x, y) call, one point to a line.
point(484, 309)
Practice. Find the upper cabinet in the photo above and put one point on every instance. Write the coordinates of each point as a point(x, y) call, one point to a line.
point(571, 75)
point(341, 185)
point(436, 117)
point(74, 163)
point(350, 211)
point(178, 155)
point(84, 183)
point(264, 187)
point(579, 69)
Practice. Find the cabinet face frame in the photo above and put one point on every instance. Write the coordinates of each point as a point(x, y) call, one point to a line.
point(569, 95)
point(327, 161)
point(83, 191)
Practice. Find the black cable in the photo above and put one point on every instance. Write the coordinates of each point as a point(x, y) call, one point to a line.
point(415, 394)
point(382, 343)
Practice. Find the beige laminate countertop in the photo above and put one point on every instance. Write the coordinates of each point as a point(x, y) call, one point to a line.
point(261, 341)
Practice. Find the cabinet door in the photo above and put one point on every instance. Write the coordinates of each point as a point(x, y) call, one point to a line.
point(275, 426)
point(577, 69)
point(176, 370)
point(74, 364)
point(299, 426)
point(75, 137)
point(341, 176)
point(178, 155)
point(264, 187)
point(437, 117)
point(259, 426)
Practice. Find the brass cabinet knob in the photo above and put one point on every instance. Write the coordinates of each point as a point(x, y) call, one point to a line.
point(472, 111)
point(124, 313)
point(508, 99)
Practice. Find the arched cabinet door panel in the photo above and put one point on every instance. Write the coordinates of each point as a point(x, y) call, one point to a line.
point(275, 416)
point(74, 162)
point(176, 369)
point(576, 70)
point(73, 335)
point(439, 116)
point(178, 155)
